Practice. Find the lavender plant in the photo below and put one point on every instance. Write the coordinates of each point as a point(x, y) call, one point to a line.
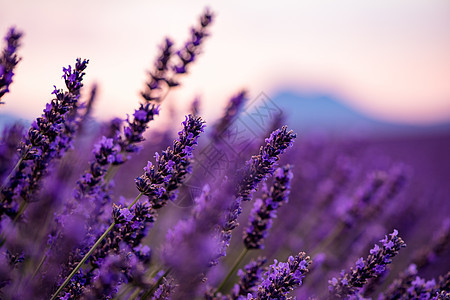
point(349, 283)
point(48, 138)
point(84, 237)
point(283, 277)
point(9, 60)
point(265, 209)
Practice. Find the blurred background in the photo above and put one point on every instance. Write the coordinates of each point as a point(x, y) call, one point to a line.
point(384, 60)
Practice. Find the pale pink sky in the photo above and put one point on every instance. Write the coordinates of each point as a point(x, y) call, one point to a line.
point(388, 58)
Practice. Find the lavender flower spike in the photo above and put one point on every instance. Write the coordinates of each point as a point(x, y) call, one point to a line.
point(349, 283)
point(250, 278)
point(48, 138)
point(283, 277)
point(192, 47)
point(9, 60)
point(160, 181)
point(260, 166)
point(232, 110)
point(265, 209)
point(158, 76)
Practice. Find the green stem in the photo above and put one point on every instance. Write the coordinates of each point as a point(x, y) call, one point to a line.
point(135, 200)
point(154, 287)
point(113, 169)
point(328, 239)
point(135, 294)
point(97, 243)
point(100, 239)
point(5, 182)
point(43, 259)
point(233, 269)
point(123, 291)
point(41, 262)
point(129, 287)
point(22, 208)
point(111, 172)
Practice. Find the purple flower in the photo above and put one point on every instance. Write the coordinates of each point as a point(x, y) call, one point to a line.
point(256, 170)
point(283, 277)
point(160, 180)
point(192, 47)
point(191, 245)
point(249, 278)
point(260, 220)
point(231, 112)
point(131, 227)
point(360, 263)
point(154, 87)
point(165, 289)
point(48, 138)
point(260, 166)
point(411, 286)
point(114, 270)
point(9, 60)
point(351, 282)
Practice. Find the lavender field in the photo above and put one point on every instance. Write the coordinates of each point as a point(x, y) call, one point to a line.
point(253, 204)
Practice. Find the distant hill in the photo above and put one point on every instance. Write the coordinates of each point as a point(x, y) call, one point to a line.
point(6, 119)
point(324, 112)
point(316, 112)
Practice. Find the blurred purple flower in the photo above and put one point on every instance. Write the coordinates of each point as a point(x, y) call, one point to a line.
point(9, 60)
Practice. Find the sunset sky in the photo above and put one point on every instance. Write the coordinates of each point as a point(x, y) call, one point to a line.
point(389, 59)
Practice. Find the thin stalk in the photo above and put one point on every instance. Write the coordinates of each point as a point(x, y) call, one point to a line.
point(330, 238)
point(43, 259)
point(113, 169)
point(135, 294)
point(97, 243)
point(111, 172)
point(77, 268)
point(233, 269)
point(22, 208)
point(5, 182)
point(128, 287)
point(155, 286)
point(125, 290)
point(155, 272)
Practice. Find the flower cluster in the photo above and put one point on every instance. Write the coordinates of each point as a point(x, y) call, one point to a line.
point(261, 165)
point(48, 138)
point(160, 180)
point(265, 209)
point(154, 87)
point(249, 278)
point(375, 264)
point(192, 47)
point(283, 277)
point(9, 60)
point(234, 107)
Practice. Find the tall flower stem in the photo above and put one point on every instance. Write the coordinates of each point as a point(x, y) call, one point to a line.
point(86, 256)
point(22, 208)
point(5, 182)
point(155, 286)
point(330, 238)
point(233, 269)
